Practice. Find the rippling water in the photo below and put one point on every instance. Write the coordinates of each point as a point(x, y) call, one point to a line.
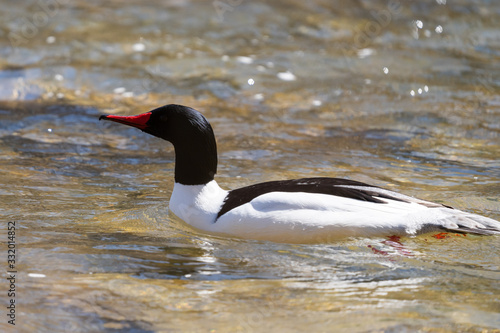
point(400, 94)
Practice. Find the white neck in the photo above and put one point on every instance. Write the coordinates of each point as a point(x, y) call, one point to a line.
point(197, 205)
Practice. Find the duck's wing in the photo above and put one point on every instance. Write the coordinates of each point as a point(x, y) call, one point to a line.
point(363, 205)
point(330, 186)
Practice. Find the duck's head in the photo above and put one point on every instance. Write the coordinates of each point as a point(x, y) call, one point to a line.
point(190, 133)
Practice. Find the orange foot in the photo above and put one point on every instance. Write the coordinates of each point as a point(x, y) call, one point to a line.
point(394, 242)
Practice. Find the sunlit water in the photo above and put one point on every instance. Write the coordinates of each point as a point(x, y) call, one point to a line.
point(400, 94)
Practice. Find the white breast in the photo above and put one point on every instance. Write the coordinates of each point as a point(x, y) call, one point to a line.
point(197, 205)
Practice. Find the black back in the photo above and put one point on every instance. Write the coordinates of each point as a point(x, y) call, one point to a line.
point(320, 185)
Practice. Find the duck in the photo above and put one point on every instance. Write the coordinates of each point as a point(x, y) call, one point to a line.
point(306, 210)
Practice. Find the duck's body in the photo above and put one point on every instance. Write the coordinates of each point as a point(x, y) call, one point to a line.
point(296, 216)
point(295, 211)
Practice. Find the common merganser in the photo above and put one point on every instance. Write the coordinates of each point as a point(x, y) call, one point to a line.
point(308, 210)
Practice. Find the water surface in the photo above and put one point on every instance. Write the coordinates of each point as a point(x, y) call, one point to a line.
point(400, 94)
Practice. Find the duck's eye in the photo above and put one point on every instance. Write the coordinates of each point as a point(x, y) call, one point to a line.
point(163, 118)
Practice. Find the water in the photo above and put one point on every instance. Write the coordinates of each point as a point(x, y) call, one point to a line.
point(403, 95)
